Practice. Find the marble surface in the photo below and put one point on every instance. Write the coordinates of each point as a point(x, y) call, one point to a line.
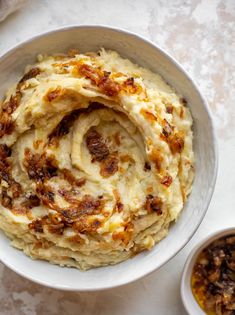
point(200, 35)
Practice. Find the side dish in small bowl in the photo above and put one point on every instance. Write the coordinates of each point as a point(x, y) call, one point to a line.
point(208, 282)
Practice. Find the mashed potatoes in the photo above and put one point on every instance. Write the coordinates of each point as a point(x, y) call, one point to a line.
point(96, 159)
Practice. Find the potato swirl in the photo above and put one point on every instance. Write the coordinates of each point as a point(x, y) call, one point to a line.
point(96, 159)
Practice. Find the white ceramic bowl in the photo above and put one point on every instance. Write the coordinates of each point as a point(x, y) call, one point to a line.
point(145, 53)
point(190, 304)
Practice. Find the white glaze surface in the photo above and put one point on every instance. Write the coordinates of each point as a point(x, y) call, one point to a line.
point(200, 35)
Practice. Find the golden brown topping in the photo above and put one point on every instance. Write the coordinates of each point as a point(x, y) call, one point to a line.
point(109, 166)
point(149, 189)
point(20, 210)
point(10, 106)
point(72, 179)
point(153, 204)
point(121, 170)
point(86, 206)
point(60, 68)
point(63, 127)
point(32, 73)
point(166, 180)
point(181, 112)
point(124, 236)
point(108, 86)
point(71, 196)
point(46, 195)
point(5, 151)
point(6, 124)
point(57, 228)
point(119, 205)
point(6, 200)
point(89, 205)
point(127, 158)
point(37, 143)
point(75, 217)
point(36, 225)
point(31, 201)
point(148, 115)
point(176, 142)
point(130, 82)
point(130, 86)
point(76, 239)
point(156, 157)
point(53, 94)
point(5, 171)
point(147, 166)
point(121, 236)
point(96, 145)
point(16, 189)
point(83, 226)
point(39, 167)
point(169, 109)
point(101, 79)
point(116, 195)
point(167, 128)
point(90, 72)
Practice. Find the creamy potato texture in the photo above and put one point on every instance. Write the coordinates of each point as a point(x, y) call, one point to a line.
point(96, 159)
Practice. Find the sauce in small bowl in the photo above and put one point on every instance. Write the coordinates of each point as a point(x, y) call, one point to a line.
point(213, 277)
point(208, 279)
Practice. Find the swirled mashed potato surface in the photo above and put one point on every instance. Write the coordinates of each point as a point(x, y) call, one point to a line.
point(96, 159)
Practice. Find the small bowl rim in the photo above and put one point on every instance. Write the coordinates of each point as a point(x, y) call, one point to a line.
point(213, 133)
point(189, 264)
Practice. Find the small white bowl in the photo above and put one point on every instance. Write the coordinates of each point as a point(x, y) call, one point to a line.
point(146, 54)
point(190, 304)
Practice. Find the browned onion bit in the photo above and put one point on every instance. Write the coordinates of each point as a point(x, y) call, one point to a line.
point(64, 126)
point(6, 200)
point(96, 145)
point(153, 204)
point(6, 124)
point(31, 201)
point(101, 79)
point(147, 166)
point(166, 180)
point(74, 216)
point(72, 179)
point(109, 166)
point(36, 225)
point(39, 166)
point(13, 189)
point(32, 73)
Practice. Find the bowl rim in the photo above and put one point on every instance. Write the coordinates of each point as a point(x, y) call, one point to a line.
point(214, 146)
point(189, 264)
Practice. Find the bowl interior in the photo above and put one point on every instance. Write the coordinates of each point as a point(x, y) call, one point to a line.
point(145, 54)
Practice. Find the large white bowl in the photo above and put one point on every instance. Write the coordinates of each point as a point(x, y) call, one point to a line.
point(145, 53)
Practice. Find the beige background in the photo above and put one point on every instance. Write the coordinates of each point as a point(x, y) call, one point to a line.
point(200, 35)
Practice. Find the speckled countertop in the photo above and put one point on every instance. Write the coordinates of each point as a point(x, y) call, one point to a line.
point(201, 36)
